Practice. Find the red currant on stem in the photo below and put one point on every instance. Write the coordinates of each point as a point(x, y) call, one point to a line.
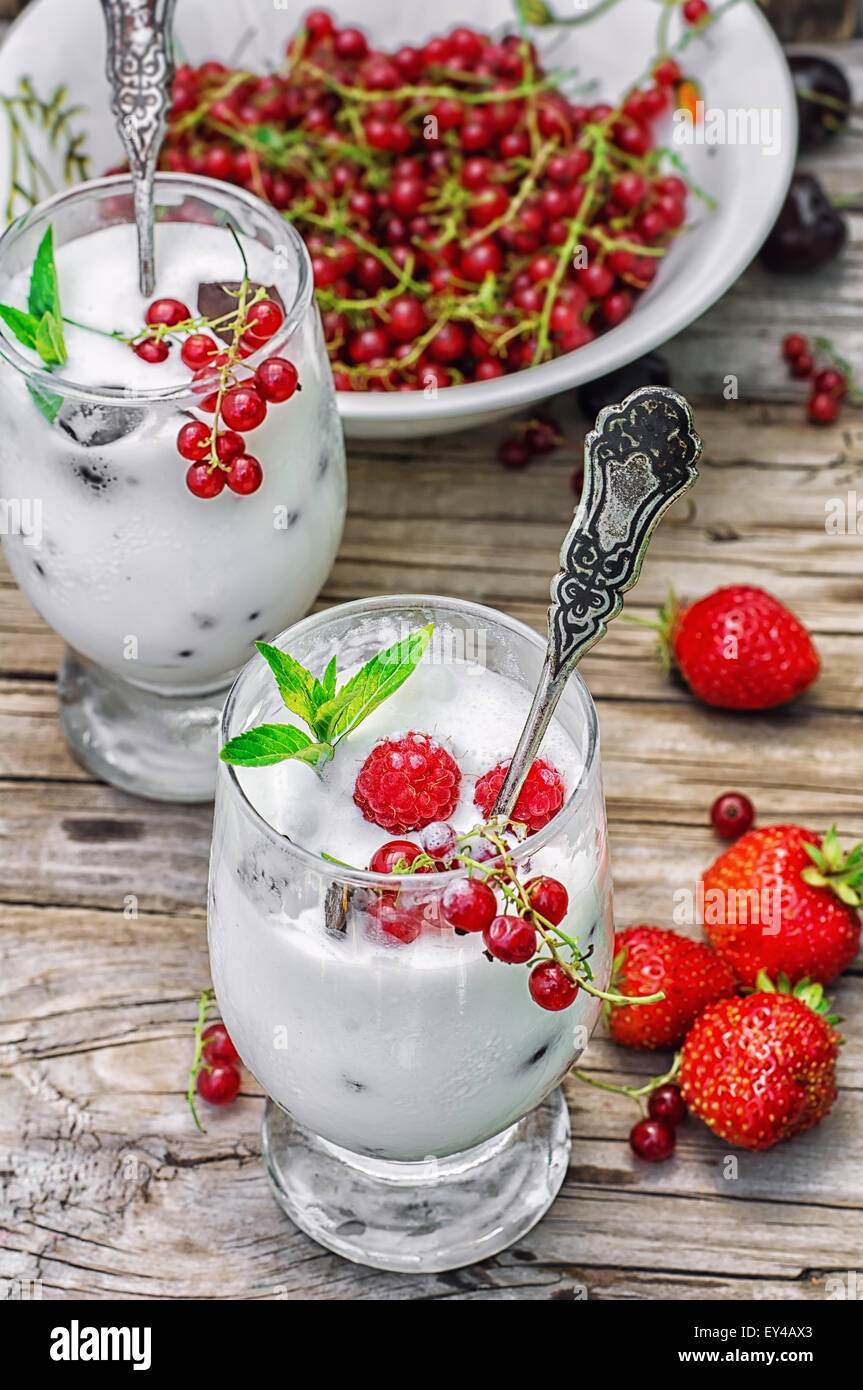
point(550, 987)
point(167, 311)
point(652, 1140)
point(198, 350)
point(385, 858)
point(833, 382)
point(217, 1044)
point(245, 475)
point(243, 408)
point(801, 366)
point(695, 11)
point(793, 344)
point(264, 319)
point(666, 1103)
point(193, 441)
point(201, 482)
point(731, 815)
point(548, 897)
point(822, 408)
point(510, 939)
point(276, 379)
point(218, 1084)
point(152, 350)
point(468, 904)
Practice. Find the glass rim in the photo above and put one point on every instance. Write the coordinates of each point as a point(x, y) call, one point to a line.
point(197, 185)
point(365, 878)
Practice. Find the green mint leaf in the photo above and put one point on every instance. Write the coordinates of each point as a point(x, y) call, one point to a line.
point(49, 341)
point(23, 325)
point(296, 684)
point(378, 679)
point(267, 744)
point(45, 401)
point(325, 689)
point(44, 289)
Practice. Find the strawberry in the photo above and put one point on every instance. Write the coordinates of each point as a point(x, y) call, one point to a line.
point(761, 1068)
point(739, 648)
point(781, 900)
point(648, 959)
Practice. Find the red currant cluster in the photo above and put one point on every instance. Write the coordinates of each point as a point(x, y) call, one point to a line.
point(829, 385)
point(217, 456)
point(528, 924)
point(464, 218)
point(653, 1138)
point(214, 1074)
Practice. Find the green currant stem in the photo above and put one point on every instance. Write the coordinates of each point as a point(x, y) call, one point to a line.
point(205, 1003)
point(634, 1093)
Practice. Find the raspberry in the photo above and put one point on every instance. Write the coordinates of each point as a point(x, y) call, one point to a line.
point(408, 782)
point(539, 800)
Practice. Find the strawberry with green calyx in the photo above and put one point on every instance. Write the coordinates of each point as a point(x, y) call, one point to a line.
point(762, 1068)
point(737, 648)
point(781, 900)
point(689, 974)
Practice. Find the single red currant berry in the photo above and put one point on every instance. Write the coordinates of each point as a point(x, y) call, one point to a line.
point(468, 904)
point(596, 279)
point(264, 319)
point(694, 11)
point(218, 162)
point(514, 453)
point(822, 408)
point(198, 350)
point(548, 897)
point(204, 483)
point(439, 841)
point(319, 25)
point(666, 1103)
point(229, 445)
point(350, 45)
point(831, 381)
point(652, 1140)
point(243, 409)
point(385, 859)
point(245, 475)
point(793, 344)
point(152, 350)
point(550, 988)
point(408, 318)
point(731, 815)
point(801, 366)
point(510, 939)
point(193, 441)
point(219, 1084)
point(397, 922)
point(276, 379)
point(167, 311)
point(667, 73)
point(217, 1044)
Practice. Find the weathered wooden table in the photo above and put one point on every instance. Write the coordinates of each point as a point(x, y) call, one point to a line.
point(108, 1190)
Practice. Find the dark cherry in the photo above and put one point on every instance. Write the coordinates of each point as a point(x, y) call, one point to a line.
point(808, 232)
point(819, 121)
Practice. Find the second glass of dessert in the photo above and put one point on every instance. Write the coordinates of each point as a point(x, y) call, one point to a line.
point(177, 463)
point(408, 977)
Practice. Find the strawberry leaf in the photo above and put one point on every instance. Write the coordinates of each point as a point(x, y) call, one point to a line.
point(268, 744)
point(374, 683)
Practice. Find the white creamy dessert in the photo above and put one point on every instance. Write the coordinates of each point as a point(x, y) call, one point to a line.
point(394, 1050)
point(160, 587)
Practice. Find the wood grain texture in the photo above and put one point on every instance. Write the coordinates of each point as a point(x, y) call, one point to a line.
point(106, 1188)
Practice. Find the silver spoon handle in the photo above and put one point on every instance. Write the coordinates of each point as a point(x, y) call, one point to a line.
point(638, 460)
point(140, 69)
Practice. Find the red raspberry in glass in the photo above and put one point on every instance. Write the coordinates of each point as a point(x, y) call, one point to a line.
point(276, 379)
point(550, 988)
point(218, 1084)
point(469, 904)
point(243, 409)
point(217, 1044)
point(167, 311)
point(245, 475)
point(406, 783)
point(510, 939)
point(539, 800)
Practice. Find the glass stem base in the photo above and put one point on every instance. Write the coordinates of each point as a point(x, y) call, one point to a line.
point(422, 1217)
point(160, 746)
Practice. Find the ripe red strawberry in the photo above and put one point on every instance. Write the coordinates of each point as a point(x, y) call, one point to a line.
point(761, 1068)
point(539, 800)
point(740, 648)
point(406, 783)
point(780, 900)
point(648, 959)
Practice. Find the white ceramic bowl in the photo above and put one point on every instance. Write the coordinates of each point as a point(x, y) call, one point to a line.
point(738, 63)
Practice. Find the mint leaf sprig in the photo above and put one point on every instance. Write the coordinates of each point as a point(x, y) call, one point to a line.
point(329, 714)
point(41, 327)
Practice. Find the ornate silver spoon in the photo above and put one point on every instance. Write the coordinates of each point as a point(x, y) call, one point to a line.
point(140, 68)
point(637, 461)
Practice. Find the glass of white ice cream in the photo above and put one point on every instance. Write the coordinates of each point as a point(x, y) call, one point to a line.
point(414, 1121)
point(160, 593)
